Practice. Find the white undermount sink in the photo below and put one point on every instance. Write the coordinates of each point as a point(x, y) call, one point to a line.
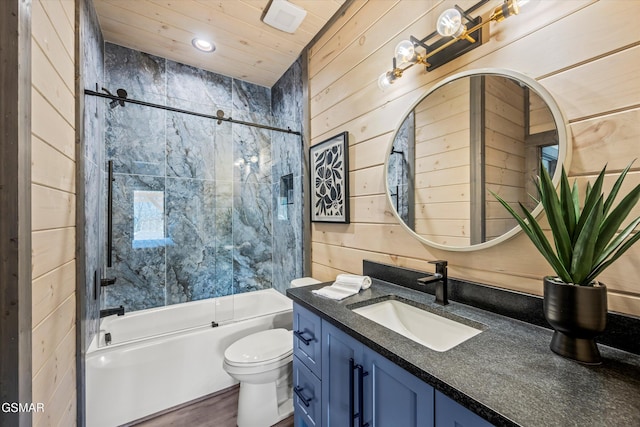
point(426, 328)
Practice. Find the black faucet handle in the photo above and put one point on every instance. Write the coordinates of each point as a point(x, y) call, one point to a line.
point(442, 290)
point(441, 262)
point(441, 267)
point(108, 281)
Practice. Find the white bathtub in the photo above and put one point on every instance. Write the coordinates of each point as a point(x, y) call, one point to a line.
point(162, 357)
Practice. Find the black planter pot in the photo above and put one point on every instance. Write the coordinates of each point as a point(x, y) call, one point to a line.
point(578, 314)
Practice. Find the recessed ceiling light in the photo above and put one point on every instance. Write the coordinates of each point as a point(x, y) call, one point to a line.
point(203, 45)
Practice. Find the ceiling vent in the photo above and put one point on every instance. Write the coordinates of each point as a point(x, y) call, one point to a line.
point(284, 16)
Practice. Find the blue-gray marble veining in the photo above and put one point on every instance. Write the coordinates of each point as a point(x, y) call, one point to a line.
point(190, 146)
point(286, 155)
point(142, 75)
point(197, 90)
point(223, 157)
point(252, 241)
point(248, 97)
point(92, 147)
point(224, 250)
point(135, 140)
point(287, 263)
point(287, 158)
point(191, 235)
point(216, 181)
point(399, 170)
point(286, 97)
point(138, 264)
point(251, 151)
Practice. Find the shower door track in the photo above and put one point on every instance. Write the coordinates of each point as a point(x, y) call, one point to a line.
point(220, 118)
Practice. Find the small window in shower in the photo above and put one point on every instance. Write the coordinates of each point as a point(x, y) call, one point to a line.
point(148, 218)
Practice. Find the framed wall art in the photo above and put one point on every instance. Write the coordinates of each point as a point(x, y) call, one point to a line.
point(330, 180)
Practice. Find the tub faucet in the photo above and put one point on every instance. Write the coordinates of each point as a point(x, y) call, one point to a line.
point(440, 280)
point(108, 281)
point(111, 311)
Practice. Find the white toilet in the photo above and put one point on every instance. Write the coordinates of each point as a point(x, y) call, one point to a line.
point(262, 362)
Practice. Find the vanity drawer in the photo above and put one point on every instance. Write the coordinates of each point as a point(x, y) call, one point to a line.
point(307, 333)
point(307, 392)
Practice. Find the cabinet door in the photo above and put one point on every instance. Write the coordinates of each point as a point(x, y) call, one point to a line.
point(395, 397)
point(337, 349)
point(450, 413)
point(307, 332)
point(307, 394)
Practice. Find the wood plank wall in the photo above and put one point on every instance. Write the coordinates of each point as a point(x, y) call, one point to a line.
point(15, 209)
point(53, 211)
point(442, 176)
point(585, 52)
point(504, 152)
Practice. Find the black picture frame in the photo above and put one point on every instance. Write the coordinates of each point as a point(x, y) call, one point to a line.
point(329, 170)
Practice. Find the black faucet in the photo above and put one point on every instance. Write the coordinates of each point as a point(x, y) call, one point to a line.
point(440, 279)
point(108, 281)
point(111, 311)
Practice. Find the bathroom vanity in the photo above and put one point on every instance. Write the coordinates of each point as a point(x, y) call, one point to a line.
point(352, 371)
point(340, 393)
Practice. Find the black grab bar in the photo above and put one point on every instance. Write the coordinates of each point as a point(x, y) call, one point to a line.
point(110, 213)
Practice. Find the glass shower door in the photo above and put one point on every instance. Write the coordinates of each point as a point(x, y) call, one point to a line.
point(172, 215)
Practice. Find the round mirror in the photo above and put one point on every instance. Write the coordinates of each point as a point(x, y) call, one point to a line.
point(474, 133)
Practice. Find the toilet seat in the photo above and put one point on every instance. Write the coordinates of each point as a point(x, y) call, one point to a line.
point(260, 348)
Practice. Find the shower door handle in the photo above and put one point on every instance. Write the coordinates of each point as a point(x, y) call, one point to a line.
point(110, 213)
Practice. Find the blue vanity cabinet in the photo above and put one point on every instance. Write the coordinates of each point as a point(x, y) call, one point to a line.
point(450, 413)
point(307, 401)
point(337, 379)
point(356, 379)
point(307, 331)
point(340, 394)
point(395, 397)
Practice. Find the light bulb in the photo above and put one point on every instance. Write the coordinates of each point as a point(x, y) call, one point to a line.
point(405, 53)
point(507, 9)
point(385, 80)
point(517, 4)
point(450, 23)
point(203, 45)
point(254, 159)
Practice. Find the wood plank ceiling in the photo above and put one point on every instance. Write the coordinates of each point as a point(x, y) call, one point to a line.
point(246, 48)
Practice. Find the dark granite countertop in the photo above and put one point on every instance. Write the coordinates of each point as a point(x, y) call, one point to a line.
point(507, 374)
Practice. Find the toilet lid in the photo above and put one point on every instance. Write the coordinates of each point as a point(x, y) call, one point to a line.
point(260, 347)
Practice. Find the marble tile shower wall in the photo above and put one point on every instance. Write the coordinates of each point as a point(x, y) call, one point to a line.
point(400, 164)
point(92, 167)
point(193, 206)
point(286, 104)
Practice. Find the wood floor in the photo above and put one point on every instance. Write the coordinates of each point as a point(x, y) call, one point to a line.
point(218, 410)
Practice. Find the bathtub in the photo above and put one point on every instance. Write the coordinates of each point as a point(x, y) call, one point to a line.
point(162, 357)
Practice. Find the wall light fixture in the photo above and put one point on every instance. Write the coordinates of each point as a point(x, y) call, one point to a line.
point(458, 34)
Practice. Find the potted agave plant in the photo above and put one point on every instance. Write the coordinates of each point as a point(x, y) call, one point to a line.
point(586, 242)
